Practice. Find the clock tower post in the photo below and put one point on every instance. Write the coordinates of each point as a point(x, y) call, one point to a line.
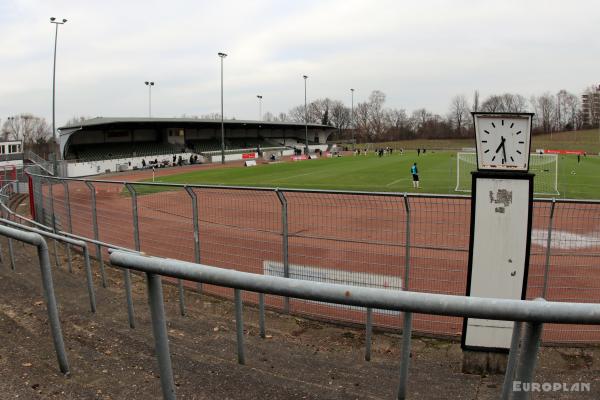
point(499, 247)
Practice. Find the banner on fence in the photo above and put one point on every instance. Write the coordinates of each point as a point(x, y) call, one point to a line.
point(581, 152)
point(338, 276)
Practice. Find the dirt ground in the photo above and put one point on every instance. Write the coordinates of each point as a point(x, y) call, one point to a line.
point(299, 359)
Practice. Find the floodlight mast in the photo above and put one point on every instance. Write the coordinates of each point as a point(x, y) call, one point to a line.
point(305, 118)
point(259, 106)
point(149, 84)
point(352, 118)
point(56, 23)
point(222, 56)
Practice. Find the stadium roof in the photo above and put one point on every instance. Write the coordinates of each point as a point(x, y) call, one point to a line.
point(183, 121)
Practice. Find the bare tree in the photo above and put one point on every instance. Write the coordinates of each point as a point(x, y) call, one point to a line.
point(340, 115)
point(28, 128)
point(459, 113)
point(545, 109)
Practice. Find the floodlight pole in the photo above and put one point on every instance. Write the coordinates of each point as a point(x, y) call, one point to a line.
point(149, 84)
point(305, 116)
point(259, 106)
point(222, 56)
point(352, 118)
point(56, 23)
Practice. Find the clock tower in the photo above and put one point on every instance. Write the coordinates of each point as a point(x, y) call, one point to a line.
point(501, 214)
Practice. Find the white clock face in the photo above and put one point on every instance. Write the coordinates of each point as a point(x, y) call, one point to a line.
point(503, 141)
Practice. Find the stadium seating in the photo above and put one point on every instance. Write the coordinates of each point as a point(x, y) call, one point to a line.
point(107, 151)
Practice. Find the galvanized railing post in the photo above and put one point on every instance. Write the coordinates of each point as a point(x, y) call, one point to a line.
point(530, 346)
point(89, 278)
point(80, 243)
point(548, 249)
point(53, 219)
point(284, 240)
point(136, 240)
point(261, 315)
point(96, 235)
point(239, 325)
point(161, 338)
point(407, 323)
point(55, 328)
point(11, 254)
point(194, 199)
point(69, 222)
point(368, 333)
point(48, 286)
point(513, 356)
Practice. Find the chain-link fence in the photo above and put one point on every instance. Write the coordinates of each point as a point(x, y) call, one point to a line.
point(392, 241)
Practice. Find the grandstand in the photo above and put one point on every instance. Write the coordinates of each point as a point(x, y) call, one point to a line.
point(101, 145)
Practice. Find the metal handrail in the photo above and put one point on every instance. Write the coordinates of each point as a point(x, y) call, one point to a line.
point(37, 240)
point(424, 303)
point(529, 316)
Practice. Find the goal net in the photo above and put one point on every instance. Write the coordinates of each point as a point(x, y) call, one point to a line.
point(544, 166)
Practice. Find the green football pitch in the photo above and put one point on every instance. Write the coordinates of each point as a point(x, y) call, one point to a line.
point(391, 173)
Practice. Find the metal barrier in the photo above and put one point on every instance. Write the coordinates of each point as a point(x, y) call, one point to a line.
point(531, 314)
point(388, 240)
point(37, 240)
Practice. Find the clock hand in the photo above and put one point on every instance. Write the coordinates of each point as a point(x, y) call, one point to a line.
point(501, 143)
point(503, 153)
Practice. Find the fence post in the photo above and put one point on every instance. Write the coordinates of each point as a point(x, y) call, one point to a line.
point(284, 239)
point(161, 338)
point(548, 249)
point(41, 197)
point(407, 323)
point(530, 345)
point(53, 216)
point(239, 325)
point(512, 361)
point(136, 240)
point(69, 222)
point(194, 198)
point(95, 226)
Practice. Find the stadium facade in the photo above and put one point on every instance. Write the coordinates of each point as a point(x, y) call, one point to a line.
point(102, 145)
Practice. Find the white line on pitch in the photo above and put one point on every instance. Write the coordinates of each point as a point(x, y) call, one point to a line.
point(396, 181)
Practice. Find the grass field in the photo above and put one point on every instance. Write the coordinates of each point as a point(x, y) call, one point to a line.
point(386, 174)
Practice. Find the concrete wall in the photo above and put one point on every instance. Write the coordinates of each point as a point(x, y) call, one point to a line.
point(99, 167)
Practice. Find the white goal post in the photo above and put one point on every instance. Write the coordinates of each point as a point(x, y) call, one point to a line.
point(544, 166)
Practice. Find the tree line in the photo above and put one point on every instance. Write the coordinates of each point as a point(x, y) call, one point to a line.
point(371, 121)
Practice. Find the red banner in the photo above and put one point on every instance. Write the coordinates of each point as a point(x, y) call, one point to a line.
point(581, 152)
point(246, 156)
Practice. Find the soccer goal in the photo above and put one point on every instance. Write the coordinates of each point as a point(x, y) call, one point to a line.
point(544, 166)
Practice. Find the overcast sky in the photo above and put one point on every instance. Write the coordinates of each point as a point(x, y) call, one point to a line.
point(419, 53)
